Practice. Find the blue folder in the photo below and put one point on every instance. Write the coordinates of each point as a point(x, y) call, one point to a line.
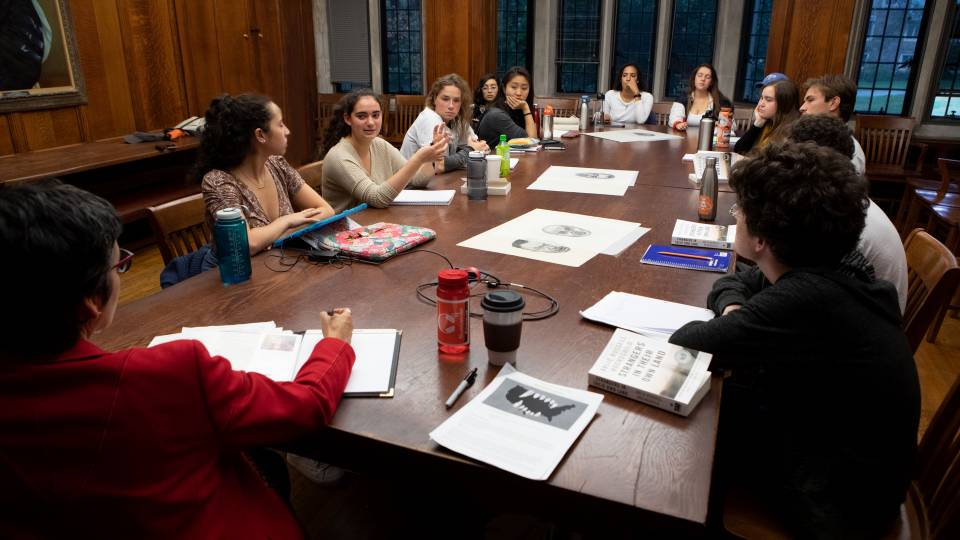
point(318, 225)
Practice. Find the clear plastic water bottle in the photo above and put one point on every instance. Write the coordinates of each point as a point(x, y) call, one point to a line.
point(233, 249)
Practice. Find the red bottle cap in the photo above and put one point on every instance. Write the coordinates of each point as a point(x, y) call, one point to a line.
point(452, 278)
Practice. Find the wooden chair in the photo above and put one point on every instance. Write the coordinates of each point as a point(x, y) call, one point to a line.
point(932, 280)
point(562, 107)
point(661, 111)
point(312, 174)
point(921, 194)
point(886, 141)
point(407, 108)
point(180, 226)
point(931, 509)
point(325, 103)
point(742, 119)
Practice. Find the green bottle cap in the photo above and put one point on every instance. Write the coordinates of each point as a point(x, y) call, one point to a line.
point(503, 138)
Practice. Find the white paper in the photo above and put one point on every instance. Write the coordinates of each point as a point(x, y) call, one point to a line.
point(723, 167)
point(550, 236)
point(424, 197)
point(633, 135)
point(644, 315)
point(617, 247)
point(374, 350)
point(585, 180)
point(513, 162)
point(520, 424)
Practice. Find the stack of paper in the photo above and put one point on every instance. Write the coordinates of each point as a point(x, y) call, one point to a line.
point(649, 316)
point(269, 350)
point(633, 135)
point(725, 160)
point(585, 180)
point(424, 197)
point(520, 424)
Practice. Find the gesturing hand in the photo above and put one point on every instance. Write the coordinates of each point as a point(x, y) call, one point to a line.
point(515, 103)
point(439, 131)
point(757, 119)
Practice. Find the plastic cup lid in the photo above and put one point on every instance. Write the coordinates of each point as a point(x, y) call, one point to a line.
point(502, 301)
point(230, 213)
point(476, 155)
point(492, 157)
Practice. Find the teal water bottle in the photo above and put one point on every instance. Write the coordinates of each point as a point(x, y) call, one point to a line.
point(233, 249)
point(503, 150)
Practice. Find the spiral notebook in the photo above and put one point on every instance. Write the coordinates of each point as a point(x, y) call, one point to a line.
point(709, 260)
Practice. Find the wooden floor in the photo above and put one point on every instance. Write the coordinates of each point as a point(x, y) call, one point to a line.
point(363, 507)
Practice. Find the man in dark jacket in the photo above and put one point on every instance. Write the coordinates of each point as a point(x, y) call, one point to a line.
point(821, 411)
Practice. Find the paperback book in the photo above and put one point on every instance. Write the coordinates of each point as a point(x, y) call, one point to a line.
point(708, 235)
point(652, 371)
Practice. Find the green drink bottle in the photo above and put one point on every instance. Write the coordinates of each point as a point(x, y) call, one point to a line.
point(503, 150)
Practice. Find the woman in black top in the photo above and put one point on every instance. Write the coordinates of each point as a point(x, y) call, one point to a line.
point(484, 96)
point(512, 112)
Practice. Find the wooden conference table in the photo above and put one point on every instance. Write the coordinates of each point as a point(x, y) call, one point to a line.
point(634, 466)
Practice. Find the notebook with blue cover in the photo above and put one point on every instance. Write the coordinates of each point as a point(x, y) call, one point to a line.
point(710, 260)
point(318, 225)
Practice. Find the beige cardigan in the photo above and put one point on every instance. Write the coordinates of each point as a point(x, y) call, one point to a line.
point(346, 184)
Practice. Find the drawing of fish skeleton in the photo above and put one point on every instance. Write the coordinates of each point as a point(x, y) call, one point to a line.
point(534, 404)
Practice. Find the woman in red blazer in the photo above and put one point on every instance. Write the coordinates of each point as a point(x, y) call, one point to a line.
point(136, 443)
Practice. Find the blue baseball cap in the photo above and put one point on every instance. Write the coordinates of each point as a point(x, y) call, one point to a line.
point(772, 78)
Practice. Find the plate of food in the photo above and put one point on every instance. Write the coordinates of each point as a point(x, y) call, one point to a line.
point(523, 142)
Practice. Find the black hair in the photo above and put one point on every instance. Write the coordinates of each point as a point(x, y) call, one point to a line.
point(478, 99)
point(824, 130)
point(804, 200)
point(618, 82)
point(337, 128)
point(227, 136)
point(57, 241)
point(501, 101)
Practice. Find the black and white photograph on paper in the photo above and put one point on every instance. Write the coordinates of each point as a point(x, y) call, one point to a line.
point(592, 181)
point(535, 404)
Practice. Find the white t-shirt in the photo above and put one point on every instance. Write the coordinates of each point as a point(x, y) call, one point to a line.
point(859, 159)
point(678, 113)
point(420, 133)
point(635, 112)
point(880, 244)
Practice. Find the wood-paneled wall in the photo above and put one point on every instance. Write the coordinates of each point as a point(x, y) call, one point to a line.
point(808, 38)
point(461, 37)
point(148, 64)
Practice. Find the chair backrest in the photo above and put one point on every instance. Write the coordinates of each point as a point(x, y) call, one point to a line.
point(661, 111)
point(932, 278)
point(562, 106)
point(408, 108)
point(884, 139)
point(312, 174)
point(180, 226)
point(742, 118)
point(949, 172)
point(937, 476)
point(325, 103)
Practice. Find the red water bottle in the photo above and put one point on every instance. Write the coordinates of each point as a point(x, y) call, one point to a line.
point(453, 312)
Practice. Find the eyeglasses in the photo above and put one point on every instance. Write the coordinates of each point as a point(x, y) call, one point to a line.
point(485, 88)
point(125, 262)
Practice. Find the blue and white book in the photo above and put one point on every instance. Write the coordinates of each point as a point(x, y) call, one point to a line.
point(710, 260)
point(318, 225)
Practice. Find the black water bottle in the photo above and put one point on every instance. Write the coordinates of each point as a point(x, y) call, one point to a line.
point(707, 208)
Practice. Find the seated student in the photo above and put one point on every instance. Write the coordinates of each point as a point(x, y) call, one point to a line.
point(627, 103)
point(704, 100)
point(138, 443)
point(241, 165)
point(880, 242)
point(512, 112)
point(447, 103)
point(361, 167)
point(834, 95)
point(484, 96)
point(777, 107)
point(820, 413)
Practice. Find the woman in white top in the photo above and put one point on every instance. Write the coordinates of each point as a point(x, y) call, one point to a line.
point(448, 105)
point(704, 100)
point(361, 167)
point(626, 102)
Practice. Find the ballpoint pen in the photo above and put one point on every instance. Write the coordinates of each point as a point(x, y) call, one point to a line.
point(467, 382)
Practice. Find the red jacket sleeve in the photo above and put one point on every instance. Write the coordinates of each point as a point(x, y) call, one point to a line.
point(248, 409)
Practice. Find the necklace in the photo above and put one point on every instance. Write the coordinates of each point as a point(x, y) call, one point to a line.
point(257, 182)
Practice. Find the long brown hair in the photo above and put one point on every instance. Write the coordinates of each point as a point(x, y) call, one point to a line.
point(713, 89)
point(787, 97)
point(461, 124)
point(337, 128)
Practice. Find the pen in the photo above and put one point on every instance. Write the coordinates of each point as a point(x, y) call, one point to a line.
point(685, 255)
point(467, 382)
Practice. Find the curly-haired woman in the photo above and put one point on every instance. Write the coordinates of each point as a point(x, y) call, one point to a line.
point(241, 164)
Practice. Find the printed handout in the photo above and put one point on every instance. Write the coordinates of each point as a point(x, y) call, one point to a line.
point(633, 135)
point(585, 180)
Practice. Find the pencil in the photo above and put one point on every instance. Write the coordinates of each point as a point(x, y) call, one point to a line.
point(685, 255)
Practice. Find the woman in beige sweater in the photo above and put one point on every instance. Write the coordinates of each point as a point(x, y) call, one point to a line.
point(359, 166)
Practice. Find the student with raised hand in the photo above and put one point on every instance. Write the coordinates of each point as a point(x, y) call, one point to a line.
point(512, 112)
point(627, 102)
point(834, 95)
point(137, 443)
point(778, 106)
point(484, 96)
point(447, 104)
point(703, 101)
point(360, 166)
point(819, 416)
point(880, 242)
point(241, 165)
